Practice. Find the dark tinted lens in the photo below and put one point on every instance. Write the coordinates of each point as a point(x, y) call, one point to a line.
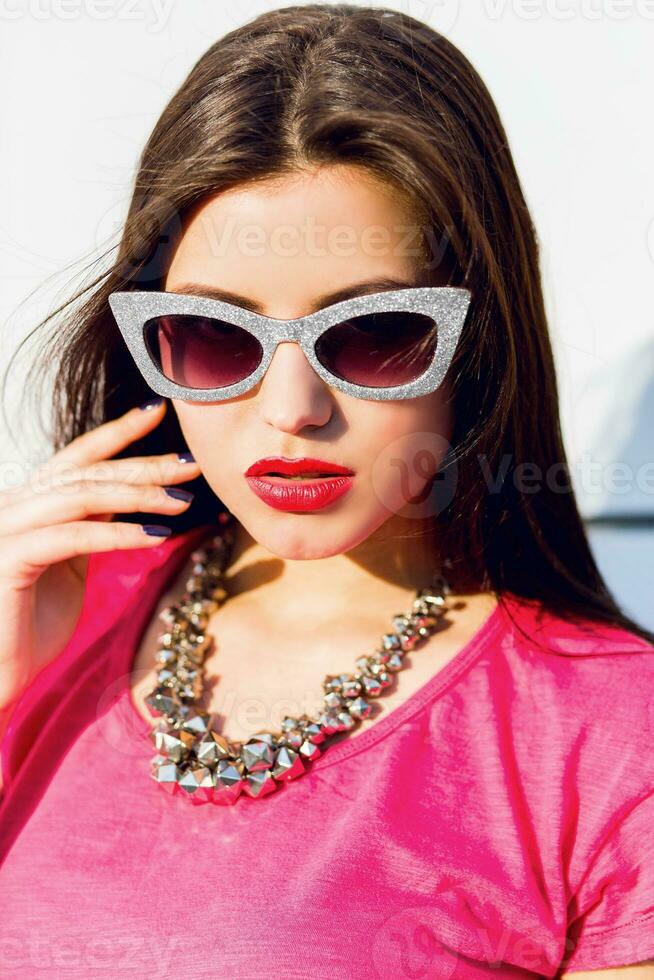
point(379, 350)
point(201, 352)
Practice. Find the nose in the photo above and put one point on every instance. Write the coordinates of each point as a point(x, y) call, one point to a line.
point(291, 394)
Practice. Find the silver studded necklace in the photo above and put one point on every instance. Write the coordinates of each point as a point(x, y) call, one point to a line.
point(197, 762)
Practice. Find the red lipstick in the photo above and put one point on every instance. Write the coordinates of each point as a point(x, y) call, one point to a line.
point(320, 482)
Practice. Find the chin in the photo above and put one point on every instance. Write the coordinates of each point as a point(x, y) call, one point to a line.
point(305, 537)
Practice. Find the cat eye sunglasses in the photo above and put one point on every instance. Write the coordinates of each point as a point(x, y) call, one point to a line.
point(387, 345)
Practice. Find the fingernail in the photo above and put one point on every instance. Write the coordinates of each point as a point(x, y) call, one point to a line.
point(186, 457)
point(178, 493)
point(151, 404)
point(158, 529)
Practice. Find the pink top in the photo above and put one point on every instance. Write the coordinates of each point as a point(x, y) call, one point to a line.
point(500, 818)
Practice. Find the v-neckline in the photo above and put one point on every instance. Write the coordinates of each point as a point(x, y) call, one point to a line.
point(162, 574)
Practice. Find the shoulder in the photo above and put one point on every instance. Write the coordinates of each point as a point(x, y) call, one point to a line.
point(592, 665)
point(586, 689)
point(580, 700)
point(585, 649)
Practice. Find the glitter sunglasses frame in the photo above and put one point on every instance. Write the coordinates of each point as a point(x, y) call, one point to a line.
point(446, 305)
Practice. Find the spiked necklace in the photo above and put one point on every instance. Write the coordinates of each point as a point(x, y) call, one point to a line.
point(197, 762)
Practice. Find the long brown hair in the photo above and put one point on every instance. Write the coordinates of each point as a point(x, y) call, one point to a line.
point(312, 85)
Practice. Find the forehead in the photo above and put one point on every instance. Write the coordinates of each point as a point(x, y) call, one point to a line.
point(287, 244)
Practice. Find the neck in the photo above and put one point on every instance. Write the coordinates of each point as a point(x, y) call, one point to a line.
point(384, 571)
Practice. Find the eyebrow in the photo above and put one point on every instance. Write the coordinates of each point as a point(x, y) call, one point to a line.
point(383, 284)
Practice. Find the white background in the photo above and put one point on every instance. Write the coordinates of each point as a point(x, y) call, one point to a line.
point(85, 80)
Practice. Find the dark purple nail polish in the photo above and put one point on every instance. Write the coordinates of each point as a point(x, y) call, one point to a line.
point(157, 529)
point(178, 493)
point(151, 404)
point(186, 457)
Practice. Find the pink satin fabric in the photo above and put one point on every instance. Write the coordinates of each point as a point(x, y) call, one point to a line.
point(500, 822)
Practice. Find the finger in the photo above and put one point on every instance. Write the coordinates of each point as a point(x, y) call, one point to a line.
point(166, 468)
point(77, 501)
point(25, 556)
point(100, 443)
point(111, 437)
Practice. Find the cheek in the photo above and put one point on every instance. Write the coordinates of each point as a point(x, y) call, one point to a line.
point(402, 423)
point(206, 429)
point(403, 447)
point(188, 423)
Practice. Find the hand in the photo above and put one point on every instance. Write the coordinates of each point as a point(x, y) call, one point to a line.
point(49, 527)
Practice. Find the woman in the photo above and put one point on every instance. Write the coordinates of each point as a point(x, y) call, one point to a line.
point(327, 265)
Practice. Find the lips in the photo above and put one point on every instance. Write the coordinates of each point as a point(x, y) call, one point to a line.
point(304, 466)
point(292, 484)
